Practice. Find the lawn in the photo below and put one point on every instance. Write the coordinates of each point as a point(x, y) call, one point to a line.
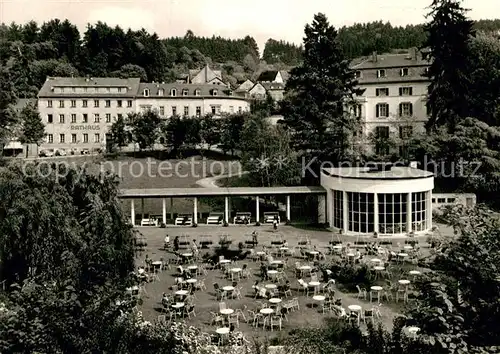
point(206, 302)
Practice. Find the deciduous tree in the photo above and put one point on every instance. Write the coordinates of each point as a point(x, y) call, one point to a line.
point(145, 128)
point(32, 127)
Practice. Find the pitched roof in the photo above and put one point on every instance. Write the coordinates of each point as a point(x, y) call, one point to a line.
point(273, 86)
point(205, 89)
point(47, 89)
point(269, 75)
point(382, 61)
point(207, 73)
point(284, 75)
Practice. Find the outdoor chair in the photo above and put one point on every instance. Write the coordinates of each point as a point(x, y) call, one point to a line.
point(222, 306)
point(361, 292)
point(368, 314)
point(233, 319)
point(216, 318)
point(241, 312)
point(276, 321)
point(304, 287)
point(189, 310)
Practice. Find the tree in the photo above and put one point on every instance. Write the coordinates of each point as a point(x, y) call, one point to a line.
point(320, 96)
point(210, 130)
point(32, 127)
point(448, 37)
point(119, 132)
point(145, 128)
point(8, 119)
point(174, 132)
point(231, 132)
point(131, 71)
point(266, 154)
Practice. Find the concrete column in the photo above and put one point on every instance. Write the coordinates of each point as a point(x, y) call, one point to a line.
point(132, 212)
point(375, 213)
point(345, 216)
point(322, 212)
point(172, 208)
point(142, 208)
point(164, 210)
point(257, 209)
point(288, 207)
point(195, 210)
point(429, 210)
point(329, 206)
point(408, 213)
point(226, 209)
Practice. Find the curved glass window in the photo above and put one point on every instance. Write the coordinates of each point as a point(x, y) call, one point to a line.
point(419, 206)
point(392, 213)
point(338, 209)
point(361, 212)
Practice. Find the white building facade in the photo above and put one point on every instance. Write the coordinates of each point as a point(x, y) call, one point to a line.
point(78, 112)
point(390, 201)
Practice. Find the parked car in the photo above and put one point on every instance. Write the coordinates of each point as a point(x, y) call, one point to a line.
point(61, 152)
point(46, 153)
point(85, 151)
point(73, 151)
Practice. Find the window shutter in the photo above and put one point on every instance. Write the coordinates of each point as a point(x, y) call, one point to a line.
point(401, 91)
point(401, 132)
point(410, 89)
point(378, 73)
point(377, 110)
point(401, 72)
point(400, 109)
point(411, 109)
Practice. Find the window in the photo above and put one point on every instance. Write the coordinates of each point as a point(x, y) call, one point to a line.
point(61, 104)
point(441, 200)
point(119, 103)
point(96, 118)
point(61, 118)
point(61, 138)
point(381, 73)
point(213, 110)
point(97, 138)
point(433, 200)
point(173, 92)
point(73, 103)
point(240, 110)
point(426, 71)
point(85, 118)
point(214, 92)
point(174, 110)
point(119, 116)
point(161, 92)
point(197, 92)
point(146, 92)
point(450, 200)
point(108, 103)
point(361, 212)
point(338, 209)
point(108, 89)
point(108, 117)
point(406, 91)
point(404, 72)
point(382, 110)
point(186, 111)
point(198, 111)
point(49, 104)
point(231, 109)
point(85, 89)
point(73, 89)
point(382, 92)
point(392, 213)
point(85, 103)
point(357, 74)
point(357, 110)
point(405, 132)
point(129, 103)
point(96, 103)
point(119, 90)
point(50, 118)
point(73, 118)
point(185, 92)
point(50, 138)
point(73, 138)
point(162, 110)
point(85, 138)
point(405, 109)
point(419, 207)
point(382, 132)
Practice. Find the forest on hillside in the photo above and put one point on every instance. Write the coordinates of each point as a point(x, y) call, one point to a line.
point(33, 51)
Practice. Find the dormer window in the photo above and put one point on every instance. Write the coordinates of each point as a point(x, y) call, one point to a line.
point(214, 92)
point(161, 92)
point(381, 73)
point(173, 92)
point(426, 71)
point(357, 74)
point(185, 92)
point(404, 72)
point(230, 93)
point(146, 92)
point(197, 92)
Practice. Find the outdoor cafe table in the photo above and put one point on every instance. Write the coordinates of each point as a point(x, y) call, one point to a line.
point(274, 300)
point(319, 298)
point(355, 308)
point(260, 254)
point(181, 292)
point(414, 272)
point(157, 264)
point(191, 281)
point(235, 271)
point(304, 269)
point(408, 247)
point(226, 312)
point(276, 262)
point(315, 285)
point(224, 261)
point(337, 247)
point(402, 256)
point(178, 305)
point(404, 282)
point(271, 286)
point(378, 289)
point(192, 268)
point(187, 255)
point(266, 311)
point(228, 288)
point(313, 254)
point(272, 273)
point(376, 260)
point(223, 331)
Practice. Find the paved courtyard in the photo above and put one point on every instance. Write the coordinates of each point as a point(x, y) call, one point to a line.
point(205, 301)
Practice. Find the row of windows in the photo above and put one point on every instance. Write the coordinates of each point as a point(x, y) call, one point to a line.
point(383, 132)
point(85, 103)
point(383, 73)
point(405, 109)
point(74, 138)
point(214, 109)
point(185, 92)
point(85, 118)
point(403, 91)
point(75, 89)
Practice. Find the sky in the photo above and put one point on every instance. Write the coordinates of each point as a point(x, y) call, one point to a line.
point(262, 19)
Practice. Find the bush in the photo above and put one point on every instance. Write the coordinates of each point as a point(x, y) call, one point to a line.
point(257, 223)
point(195, 225)
point(163, 225)
point(350, 275)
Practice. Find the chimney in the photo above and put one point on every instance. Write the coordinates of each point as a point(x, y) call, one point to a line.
point(374, 57)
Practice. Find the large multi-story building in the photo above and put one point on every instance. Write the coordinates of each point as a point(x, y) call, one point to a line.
point(78, 112)
point(395, 92)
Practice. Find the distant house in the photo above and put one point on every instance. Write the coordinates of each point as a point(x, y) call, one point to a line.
point(205, 76)
point(274, 89)
point(278, 76)
point(258, 91)
point(245, 86)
